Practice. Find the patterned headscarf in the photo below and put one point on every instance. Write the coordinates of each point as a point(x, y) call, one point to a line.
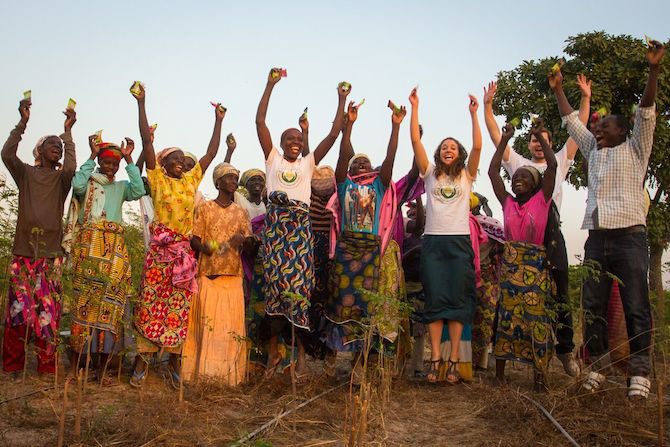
point(248, 174)
point(355, 157)
point(191, 156)
point(323, 181)
point(534, 173)
point(165, 152)
point(40, 142)
point(223, 169)
point(109, 150)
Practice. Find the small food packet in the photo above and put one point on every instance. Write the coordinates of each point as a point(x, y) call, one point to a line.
point(516, 122)
point(395, 108)
point(98, 136)
point(651, 43)
point(602, 112)
point(534, 118)
point(135, 89)
point(279, 72)
point(153, 127)
point(361, 103)
point(230, 139)
point(27, 94)
point(557, 66)
point(345, 86)
point(304, 114)
point(221, 108)
point(214, 245)
point(71, 104)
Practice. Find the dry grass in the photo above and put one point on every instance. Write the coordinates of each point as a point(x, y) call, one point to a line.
point(476, 414)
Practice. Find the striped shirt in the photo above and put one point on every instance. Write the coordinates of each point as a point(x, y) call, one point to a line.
point(319, 215)
point(616, 174)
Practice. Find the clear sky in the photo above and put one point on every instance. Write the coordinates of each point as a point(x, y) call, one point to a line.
point(188, 53)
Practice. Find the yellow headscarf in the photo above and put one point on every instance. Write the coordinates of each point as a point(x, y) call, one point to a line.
point(223, 169)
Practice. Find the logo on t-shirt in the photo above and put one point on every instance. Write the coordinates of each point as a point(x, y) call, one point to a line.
point(288, 177)
point(447, 192)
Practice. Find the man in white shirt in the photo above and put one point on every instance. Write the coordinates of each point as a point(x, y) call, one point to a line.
point(557, 255)
point(615, 218)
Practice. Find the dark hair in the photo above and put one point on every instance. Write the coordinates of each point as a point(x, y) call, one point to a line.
point(622, 122)
point(455, 168)
point(284, 133)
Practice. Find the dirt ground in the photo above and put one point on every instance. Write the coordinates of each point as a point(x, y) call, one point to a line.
point(418, 414)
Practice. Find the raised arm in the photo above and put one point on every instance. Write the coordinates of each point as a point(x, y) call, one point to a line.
point(576, 129)
point(70, 157)
point(549, 177)
point(83, 174)
point(584, 111)
point(261, 128)
point(215, 141)
point(475, 153)
point(496, 162)
point(556, 84)
point(232, 145)
point(325, 145)
point(654, 56)
point(9, 157)
point(346, 149)
point(386, 172)
point(145, 132)
point(419, 151)
point(490, 120)
point(304, 126)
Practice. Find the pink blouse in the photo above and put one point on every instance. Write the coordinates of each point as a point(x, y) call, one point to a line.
point(527, 222)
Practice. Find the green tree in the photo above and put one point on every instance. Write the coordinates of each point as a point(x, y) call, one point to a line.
point(618, 68)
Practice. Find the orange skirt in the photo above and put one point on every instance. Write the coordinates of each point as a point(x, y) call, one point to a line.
point(216, 344)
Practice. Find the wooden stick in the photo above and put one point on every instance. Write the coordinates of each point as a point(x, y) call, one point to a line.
point(25, 353)
point(88, 355)
point(77, 419)
point(659, 384)
point(61, 425)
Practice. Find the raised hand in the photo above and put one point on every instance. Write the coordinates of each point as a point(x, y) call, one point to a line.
point(490, 93)
point(93, 144)
point(70, 118)
point(141, 95)
point(508, 131)
point(584, 85)
point(127, 148)
point(414, 98)
point(537, 126)
point(398, 113)
point(24, 110)
point(343, 89)
point(231, 143)
point(274, 76)
point(352, 113)
point(303, 123)
point(555, 79)
point(219, 112)
point(474, 105)
point(655, 53)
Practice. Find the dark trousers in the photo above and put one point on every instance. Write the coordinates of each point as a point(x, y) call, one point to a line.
point(625, 255)
point(13, 352)
point(563, 324)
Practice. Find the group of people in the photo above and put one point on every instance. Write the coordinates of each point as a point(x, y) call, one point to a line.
point(303, 257)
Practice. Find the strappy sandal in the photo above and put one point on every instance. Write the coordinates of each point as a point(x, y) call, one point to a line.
point(452, 372)
point(137, 379)
point(172, 377)
point(433, 374)
point(271, 371)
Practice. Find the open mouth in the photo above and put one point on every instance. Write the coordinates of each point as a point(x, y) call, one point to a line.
point(600, 139)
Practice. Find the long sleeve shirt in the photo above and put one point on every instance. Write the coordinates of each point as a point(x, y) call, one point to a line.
point(115, 193)
point(616, 174)
point(42, 194)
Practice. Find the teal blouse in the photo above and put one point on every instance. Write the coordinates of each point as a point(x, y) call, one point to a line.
point(115, 193)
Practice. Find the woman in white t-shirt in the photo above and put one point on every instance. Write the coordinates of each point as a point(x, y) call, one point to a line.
point(286, 242)
point(447, 258)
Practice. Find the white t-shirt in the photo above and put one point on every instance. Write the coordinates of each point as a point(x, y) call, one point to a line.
point(252, 209)
point(293, 178)
point(448, 203)
point(516, 161)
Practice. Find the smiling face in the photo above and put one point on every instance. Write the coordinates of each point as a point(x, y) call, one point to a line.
point(522, 182)
point(52, 149)
point(360, 165)
point(449, 151)
point(109, 166)
point(291, 143)
point(535, 148)
point(174, 164)
point(255, 186)
point(609, 132)
point(228, 183)
point(189, 164)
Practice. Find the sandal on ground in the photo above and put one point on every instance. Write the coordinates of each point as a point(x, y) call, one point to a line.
point(172, 377)
point(539, 385)
point(106, 380)
point(638, 388)
point(453, 373)
point(137, 379)
point(433, 374)
point(594, 382)
point(272, 370)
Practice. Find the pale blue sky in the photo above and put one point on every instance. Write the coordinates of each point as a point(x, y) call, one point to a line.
point(188, 53)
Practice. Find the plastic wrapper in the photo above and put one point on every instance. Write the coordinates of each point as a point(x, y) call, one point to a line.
point(27, 94)
point(71, 104)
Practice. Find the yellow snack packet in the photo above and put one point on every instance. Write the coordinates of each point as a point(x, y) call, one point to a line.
point(345, 85)
point(557, 66)
point(71, 104)
point(98, 136)
point(27, 94)
point(214, 245)
point(652, 43)
point(135, 89)
point(516, 122)
point(153, 127)
point(304, 114)
point(602, 112)
point(361, 103)
point(230, 139)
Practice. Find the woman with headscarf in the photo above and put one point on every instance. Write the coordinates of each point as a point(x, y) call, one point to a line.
point(287, 245)
point(364, 218)
point(215, 346)
point(94, 238)
point(250, 193)
point(447, 257)
point(524, 328)
point(169, 275)
point(33, 306)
